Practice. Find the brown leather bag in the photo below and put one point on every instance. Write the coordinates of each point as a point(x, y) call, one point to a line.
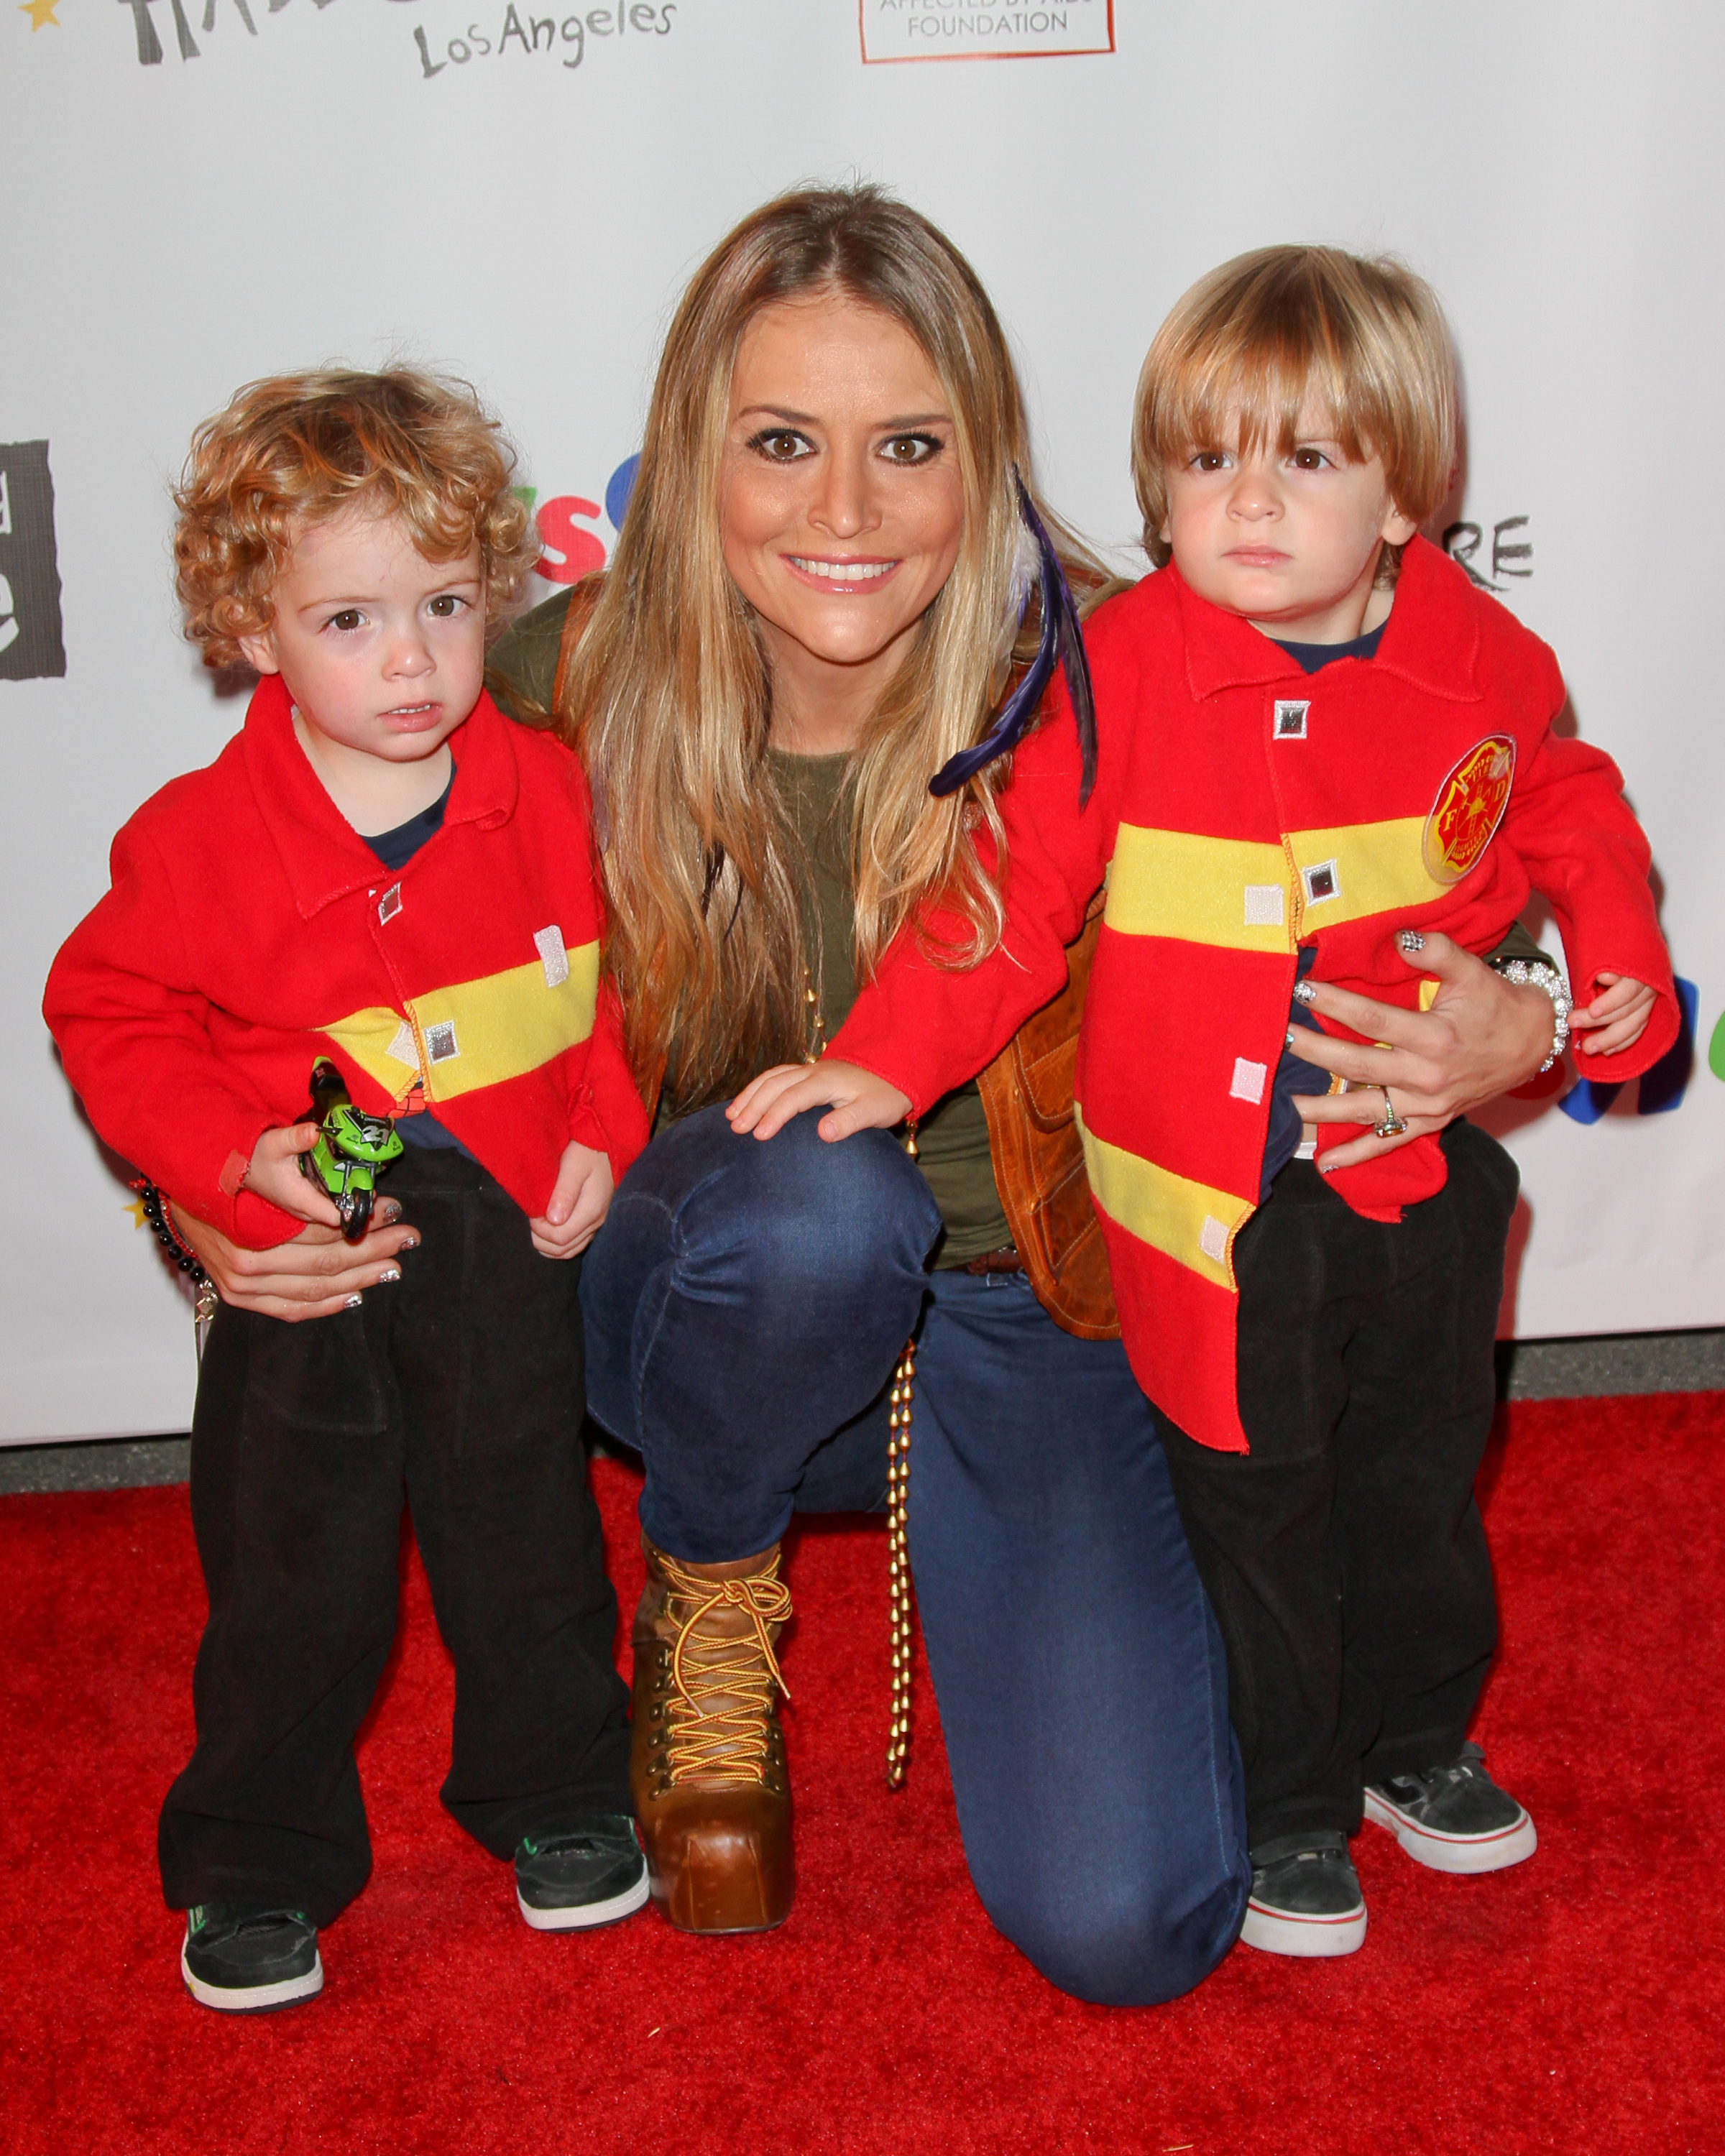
point(1038, 1156)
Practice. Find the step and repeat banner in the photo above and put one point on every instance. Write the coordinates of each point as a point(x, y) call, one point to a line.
point(204, 191)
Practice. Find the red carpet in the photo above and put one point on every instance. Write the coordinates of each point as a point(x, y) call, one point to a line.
point(1572, 2004)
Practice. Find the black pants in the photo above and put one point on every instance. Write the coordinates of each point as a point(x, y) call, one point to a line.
point(461, 1385)
point(1344, 1554)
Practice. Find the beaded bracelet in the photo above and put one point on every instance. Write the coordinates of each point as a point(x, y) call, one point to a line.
point(162, 1226)
point(1541, 973)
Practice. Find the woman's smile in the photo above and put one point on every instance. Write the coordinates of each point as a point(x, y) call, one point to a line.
point(842, 575)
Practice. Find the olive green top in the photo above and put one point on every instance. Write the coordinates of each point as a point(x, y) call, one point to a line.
point(952, 1139)
point(522, 666)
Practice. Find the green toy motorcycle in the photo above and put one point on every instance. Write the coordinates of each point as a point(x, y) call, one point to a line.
point(351, 1152)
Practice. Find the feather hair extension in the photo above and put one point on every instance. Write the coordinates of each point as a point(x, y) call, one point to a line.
point(1023, 577)
point(1061, 640)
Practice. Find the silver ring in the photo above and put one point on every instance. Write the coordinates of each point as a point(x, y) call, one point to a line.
point(1392, 1125)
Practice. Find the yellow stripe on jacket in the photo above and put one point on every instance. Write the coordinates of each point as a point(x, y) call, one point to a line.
point(478, 1033)
point(1188, 1222)
point(1248, 895)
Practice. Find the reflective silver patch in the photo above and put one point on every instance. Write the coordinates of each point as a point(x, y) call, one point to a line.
point(1248, 1080)
point(1290, 721)
point(555, 959)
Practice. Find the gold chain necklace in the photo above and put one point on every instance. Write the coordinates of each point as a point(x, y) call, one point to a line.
point(816, 1027)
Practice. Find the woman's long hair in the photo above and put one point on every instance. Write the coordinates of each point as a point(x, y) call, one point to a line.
point(669, 698)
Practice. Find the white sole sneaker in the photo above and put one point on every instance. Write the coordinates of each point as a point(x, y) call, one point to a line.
point(589, 1914)
point(1458, 1853)
point(1275, 1931)
point(253, 1998)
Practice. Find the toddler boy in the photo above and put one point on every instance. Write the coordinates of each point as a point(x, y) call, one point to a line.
point(1312, 728)
point(382, 872)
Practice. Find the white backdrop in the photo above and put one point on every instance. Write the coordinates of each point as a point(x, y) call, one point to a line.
point(207, 190)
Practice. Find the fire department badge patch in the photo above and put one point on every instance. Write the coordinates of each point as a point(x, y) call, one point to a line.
point(1469, 807)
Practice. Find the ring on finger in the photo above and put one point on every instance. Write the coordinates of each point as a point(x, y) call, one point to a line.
point(1392, 1125)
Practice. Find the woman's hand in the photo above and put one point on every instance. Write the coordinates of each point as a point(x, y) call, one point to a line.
point(578, 1204)
point(1481, 1037)
point(1621, 1013)
point(315, 1275)
point(859, 1101)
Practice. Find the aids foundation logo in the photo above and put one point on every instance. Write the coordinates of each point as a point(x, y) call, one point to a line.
point(961, 30)
point(30, 644)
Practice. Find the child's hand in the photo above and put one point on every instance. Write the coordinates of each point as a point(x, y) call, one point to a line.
point(273, 1174)
point(1621, 1014)
point(578, 1204)
point(858, 1099)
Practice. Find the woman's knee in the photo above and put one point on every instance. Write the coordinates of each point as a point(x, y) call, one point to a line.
point(794, 1213)
point(1130, 1943)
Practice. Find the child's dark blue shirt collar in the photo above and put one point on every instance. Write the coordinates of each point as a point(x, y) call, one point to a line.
point(1310, 658)
point(396, 849)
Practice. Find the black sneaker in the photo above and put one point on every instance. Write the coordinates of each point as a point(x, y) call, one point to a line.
point(1454, 1818)
point(592, 1873)
point(1305, 1897)
point(245, 1960)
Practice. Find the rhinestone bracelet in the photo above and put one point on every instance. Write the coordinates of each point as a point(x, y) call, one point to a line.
point(1541, 973)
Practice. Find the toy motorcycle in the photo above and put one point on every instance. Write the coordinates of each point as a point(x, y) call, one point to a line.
point(352, 1149)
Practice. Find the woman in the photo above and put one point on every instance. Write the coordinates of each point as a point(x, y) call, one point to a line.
point(811, 609)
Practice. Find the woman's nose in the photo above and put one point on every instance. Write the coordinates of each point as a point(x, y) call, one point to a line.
point(844, 505)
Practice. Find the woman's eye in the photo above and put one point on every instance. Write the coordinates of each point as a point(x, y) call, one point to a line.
point(781, 445)
point(911, 449)
point(349, 618)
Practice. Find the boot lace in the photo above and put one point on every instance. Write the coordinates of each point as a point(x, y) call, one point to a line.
point(722, 1687)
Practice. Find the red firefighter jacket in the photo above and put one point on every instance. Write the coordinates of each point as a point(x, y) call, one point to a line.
point(250, 930)
point(1242, 809)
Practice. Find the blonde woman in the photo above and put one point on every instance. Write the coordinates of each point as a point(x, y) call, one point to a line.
point(814, 607)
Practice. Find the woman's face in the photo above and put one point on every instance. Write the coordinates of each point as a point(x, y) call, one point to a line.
point(841, 505)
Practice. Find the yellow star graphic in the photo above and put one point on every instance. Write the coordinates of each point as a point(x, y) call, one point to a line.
point(40, 12)
point(136, 1206)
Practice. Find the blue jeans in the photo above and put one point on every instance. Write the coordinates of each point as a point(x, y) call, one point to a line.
point(745, 1304)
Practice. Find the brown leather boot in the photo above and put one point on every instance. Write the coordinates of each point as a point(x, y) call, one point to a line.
point(707, 1757)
